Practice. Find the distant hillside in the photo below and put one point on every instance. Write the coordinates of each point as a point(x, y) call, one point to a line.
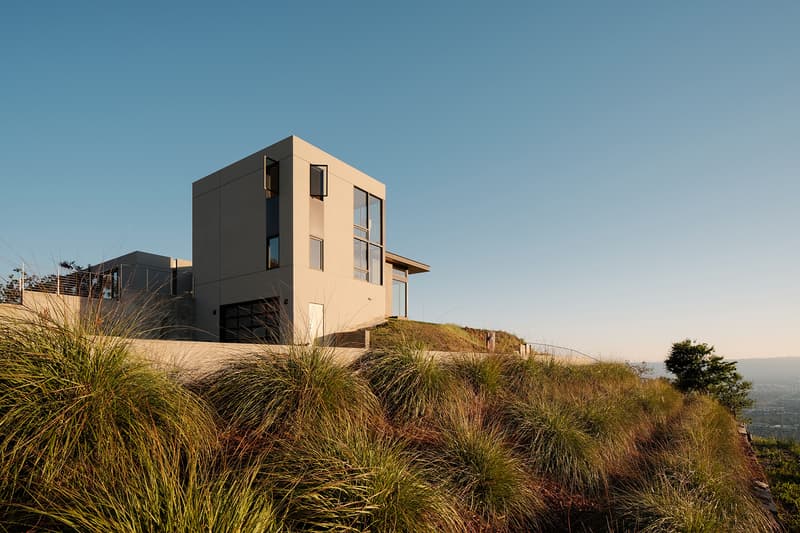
point(776, 370)
point(772, 370)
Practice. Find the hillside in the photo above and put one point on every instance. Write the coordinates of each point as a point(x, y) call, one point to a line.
point(97, 440)
point(440, 337)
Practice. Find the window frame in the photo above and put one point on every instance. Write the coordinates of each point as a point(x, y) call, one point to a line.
point(324, 184)
point(266, 311)
point(363, 235)
point(404, 283)
point(272, 175)
point(311, 240)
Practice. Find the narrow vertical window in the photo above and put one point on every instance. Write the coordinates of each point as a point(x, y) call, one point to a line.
point(367, 237)
point(318, 181)
point(316, 260)
point(273, 252)
point(399, 298)
point(360, 213)
point(271, 190)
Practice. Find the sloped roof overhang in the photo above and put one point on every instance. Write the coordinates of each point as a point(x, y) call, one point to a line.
point(413, 267)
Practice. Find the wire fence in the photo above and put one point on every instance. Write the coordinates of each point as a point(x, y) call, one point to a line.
point(559, 351)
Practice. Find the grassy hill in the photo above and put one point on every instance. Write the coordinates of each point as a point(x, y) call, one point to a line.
point(94, 439)
point(440, 337)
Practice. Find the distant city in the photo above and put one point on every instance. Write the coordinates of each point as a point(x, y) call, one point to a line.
point(776, 392)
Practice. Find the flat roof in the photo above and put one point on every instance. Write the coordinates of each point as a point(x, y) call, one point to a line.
point(414, 267)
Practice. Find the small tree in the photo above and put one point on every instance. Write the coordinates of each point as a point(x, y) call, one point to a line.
point(698, 369)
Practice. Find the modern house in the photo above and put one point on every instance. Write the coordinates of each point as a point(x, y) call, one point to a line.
point(289, 245)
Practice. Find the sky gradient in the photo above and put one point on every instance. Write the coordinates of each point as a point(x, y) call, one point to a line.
point(611, 177)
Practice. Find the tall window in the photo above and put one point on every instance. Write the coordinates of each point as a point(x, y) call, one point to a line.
point(367, 237)
point(318, 187)
point(399, 292)
point(271, 189)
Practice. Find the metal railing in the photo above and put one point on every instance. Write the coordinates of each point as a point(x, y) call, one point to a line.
point(75, 283)
point(82, 282)
point(558, 351)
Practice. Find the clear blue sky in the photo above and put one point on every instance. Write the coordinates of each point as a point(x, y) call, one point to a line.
point(607, 176)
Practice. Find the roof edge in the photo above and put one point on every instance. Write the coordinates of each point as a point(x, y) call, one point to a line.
point(413, 266)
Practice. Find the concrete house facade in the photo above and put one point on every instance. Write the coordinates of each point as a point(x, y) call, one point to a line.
point(289, 245)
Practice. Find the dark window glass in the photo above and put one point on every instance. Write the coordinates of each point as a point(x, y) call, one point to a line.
point(272, 172)
point(399, 272)
point(257, 321)
point(272, 188)
point(272, 216)
point(273, 252)
point(316, 260)
point(375, 264)
point(399, 295)
point(360, 208)
point(318, 185)
point(374, 211)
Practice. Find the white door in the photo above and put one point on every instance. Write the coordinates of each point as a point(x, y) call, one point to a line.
point(316, 322)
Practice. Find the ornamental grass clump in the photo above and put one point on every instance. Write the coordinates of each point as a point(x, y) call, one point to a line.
point(409, 382)
point(346, 477)
point(472, 456)
point(483, 373)
point(524, 376)
point(699, 481)
point(163, 495)
point(555, 441)
point(273, 393)
point(78, 407)
point(658, 401)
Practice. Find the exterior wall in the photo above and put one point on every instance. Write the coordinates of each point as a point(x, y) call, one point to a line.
point(136, 312)
point(229, 245)
point(142, 271)
point(348, 303)
point(194, 359)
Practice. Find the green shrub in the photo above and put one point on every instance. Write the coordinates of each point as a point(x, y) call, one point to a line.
point(69, 398)
point(555, 441)
point(345, 477)
point(274, 392)
point(484, 374)
point(474, 458)
point(409, 381)
point(658, 400)
point(163, 495)
point(75, 407)
point(700, 481)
